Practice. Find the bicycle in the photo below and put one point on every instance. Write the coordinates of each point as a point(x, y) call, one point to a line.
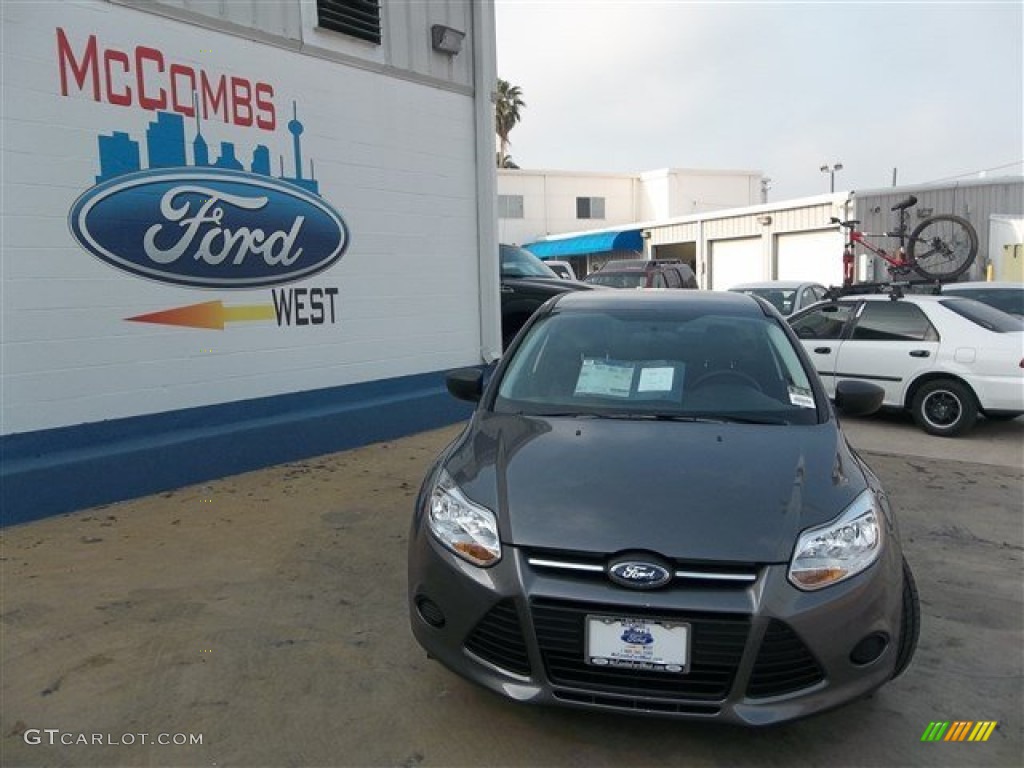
point(940, 248)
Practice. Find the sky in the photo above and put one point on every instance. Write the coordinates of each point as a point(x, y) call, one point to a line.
point(933, 90)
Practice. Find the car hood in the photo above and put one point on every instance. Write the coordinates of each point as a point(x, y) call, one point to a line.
point(553, 284)
point(693, 491)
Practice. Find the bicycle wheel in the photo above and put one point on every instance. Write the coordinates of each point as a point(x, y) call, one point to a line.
point(942, 247)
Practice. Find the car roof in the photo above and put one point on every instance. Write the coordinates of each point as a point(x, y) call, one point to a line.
point(773, 284)
point(712, 302)
point(635, 265)
point(914, 298)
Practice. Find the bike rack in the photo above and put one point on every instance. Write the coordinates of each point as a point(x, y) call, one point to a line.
point(895, 288)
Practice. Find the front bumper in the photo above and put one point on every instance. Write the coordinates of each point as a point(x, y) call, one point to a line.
point(761, 652)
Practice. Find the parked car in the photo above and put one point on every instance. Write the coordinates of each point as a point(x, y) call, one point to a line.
point(561, 268)
point(787, 296)
point(644, 273)
point(1007, 296)
point(946, 359)
point(643, 515)
point(526, 283)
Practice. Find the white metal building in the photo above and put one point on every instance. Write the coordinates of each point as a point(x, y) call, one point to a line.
point(235, 234)
point(795, 239)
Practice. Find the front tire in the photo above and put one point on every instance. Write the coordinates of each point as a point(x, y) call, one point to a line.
point(945, 408)
point(910, 622)
point(942, 247)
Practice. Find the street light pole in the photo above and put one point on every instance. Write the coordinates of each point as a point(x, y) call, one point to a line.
point(831, 171)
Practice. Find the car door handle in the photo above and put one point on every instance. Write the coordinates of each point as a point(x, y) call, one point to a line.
point(822, 350)
point(920, 353)
point(507, 289)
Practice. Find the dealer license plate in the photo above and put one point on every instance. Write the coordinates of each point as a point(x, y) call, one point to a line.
point(633, 643)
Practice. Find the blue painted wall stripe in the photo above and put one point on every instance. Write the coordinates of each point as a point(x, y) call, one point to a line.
point(61, 470)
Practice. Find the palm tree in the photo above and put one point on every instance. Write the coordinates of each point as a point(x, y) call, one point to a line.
point(504, 161)
point(506, 115)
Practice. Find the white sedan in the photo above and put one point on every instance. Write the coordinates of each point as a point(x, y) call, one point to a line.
point(944, 358)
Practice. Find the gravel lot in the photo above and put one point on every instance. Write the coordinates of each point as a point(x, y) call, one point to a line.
point(266, 613)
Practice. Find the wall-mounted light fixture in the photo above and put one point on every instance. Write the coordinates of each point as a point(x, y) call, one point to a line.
point(645, 234)
point(764, 221)
point(445, 39)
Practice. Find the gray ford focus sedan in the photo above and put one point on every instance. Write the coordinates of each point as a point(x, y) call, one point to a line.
point(654, 510)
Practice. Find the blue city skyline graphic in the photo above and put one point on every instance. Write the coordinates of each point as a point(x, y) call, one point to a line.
point(166, 147)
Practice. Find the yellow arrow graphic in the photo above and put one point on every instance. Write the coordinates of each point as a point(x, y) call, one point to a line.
point(209, 314)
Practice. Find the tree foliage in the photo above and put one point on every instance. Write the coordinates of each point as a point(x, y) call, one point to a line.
point(507, 114)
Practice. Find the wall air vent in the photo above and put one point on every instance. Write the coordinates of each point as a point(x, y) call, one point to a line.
point(358, 18)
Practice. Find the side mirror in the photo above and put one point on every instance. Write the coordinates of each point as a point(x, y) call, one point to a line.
point(465, 384)
point(858, 398)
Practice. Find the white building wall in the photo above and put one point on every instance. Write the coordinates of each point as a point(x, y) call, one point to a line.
point(403, 299)
point(405, 47)
point(549, 198)
point(549, 202)
point(678, 192)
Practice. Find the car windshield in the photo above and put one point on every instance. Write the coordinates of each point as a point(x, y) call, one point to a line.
point(640, 364)
point(519, 262)
point(987, 317)
point(618, 279)
point(780, 298)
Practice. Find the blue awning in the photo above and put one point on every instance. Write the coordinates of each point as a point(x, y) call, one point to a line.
point(595, 242)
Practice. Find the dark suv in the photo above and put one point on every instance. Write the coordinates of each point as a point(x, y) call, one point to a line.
point(526, 283)
point(644, 273)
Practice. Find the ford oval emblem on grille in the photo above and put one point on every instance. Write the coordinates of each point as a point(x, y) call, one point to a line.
point(639, 574)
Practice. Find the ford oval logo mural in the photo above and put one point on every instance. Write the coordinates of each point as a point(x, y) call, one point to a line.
point(639, 574)
point(209, 228)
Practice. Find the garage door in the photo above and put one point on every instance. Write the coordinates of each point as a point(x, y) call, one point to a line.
point(736, 261)
point(813, 257)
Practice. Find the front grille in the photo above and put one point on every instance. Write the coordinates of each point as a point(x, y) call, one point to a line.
point(498, 639)
point(573, 565)
point(637, 705)
point(784, 664)
point(716, 645)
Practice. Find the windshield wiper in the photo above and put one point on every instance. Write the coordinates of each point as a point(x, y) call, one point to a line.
point(661, 416)
point(753, 420)
point(656, 416)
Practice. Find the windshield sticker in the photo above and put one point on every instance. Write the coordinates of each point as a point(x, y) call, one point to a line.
point(606, 378)
point(801, 397)
point(658, 379)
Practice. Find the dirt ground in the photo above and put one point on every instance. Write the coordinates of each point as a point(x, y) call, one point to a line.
point(266, 614)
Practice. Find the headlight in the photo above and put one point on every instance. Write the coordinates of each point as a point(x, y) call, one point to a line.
point(467, 529)
point(838, 550)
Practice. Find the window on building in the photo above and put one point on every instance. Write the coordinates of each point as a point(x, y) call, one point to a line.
point(358, 18)
point(510, 206)
point(589, 207)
